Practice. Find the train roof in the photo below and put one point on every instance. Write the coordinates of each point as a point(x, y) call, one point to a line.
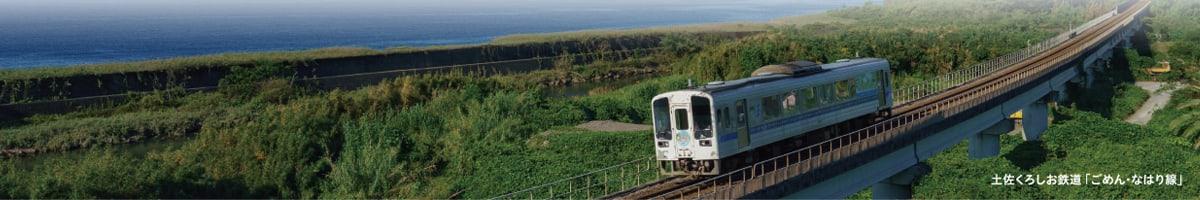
point(718, 86)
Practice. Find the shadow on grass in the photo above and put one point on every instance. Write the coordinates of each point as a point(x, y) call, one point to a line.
point(1099, 98)
point(12, 123)
point(210, 189)
point(1028, 155)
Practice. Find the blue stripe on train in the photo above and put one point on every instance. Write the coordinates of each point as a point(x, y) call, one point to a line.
point(870, 95)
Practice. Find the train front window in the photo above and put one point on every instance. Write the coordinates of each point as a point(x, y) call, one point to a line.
point(662, 120)
point(702, 114)
point(681, 119)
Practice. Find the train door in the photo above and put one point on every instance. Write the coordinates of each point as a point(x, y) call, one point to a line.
point(682, 126)
point(743, 124)
point(882, 77)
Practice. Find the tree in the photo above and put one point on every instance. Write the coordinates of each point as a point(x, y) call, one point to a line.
point(1188, 125)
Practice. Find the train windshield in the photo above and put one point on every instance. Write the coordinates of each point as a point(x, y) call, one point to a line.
point(662, 120)
point(702, 114)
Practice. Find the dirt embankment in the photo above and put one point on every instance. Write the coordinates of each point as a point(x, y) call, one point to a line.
point(613, 126)
point(1158, 99)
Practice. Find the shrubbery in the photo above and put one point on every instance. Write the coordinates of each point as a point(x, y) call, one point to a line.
point(1085, 143)
point(1128, 100)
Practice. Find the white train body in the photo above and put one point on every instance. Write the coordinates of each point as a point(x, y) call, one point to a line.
point(696, 130)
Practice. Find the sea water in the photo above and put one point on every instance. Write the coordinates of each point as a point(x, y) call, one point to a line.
point(48, 33)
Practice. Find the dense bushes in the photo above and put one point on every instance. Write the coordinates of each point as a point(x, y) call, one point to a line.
point(95, 174)
point(1085, 143)
point(1181, 116)
point(367, 144)
point(385, 155)
point(919, 37)
point(1175, 36)
point(1129, 98)
point(97, 131)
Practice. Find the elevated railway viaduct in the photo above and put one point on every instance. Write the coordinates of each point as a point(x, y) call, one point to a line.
point(969, 104)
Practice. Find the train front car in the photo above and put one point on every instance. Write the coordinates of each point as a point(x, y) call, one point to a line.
point(725, 125)
point(683, 133)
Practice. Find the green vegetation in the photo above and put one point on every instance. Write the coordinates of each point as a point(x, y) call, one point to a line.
point(1139, 63)
point(1175, 36)
point(461, 135)
point(1090, 138)
point(465, 130)
point(728, 27)
point(919, 37)
point(1113, 93)
point(93, 131)
point(1083, 143)
point(1181, 116)
point(226, 59)
point(1129, 98)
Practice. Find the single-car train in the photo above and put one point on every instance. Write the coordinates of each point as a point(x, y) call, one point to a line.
point(722, 125)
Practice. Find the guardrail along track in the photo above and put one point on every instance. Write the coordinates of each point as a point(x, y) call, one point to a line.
point(598, 183)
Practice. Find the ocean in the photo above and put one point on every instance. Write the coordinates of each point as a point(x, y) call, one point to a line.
point(52, 33)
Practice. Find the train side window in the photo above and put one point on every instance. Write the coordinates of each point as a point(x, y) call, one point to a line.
point(844, 90)
point(702, 116)
point(841, 89)
point(860, 81)
point(867, 82)
point(828, 95)
point(882, 78)
point(831, 91)
point(810, 98)
point(720, 118)
point(741, 112)
point(872, 81)
point(743, 124)
point(727, 118)
point(771, 107)
point(790, 102)
point(821, 96)
point(853, 87)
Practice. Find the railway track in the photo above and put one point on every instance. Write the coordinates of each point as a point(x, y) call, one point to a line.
point(654, 188)
point(949, 102)
point(1039, 62)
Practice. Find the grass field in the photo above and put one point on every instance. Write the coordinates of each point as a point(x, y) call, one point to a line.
point(225, 59)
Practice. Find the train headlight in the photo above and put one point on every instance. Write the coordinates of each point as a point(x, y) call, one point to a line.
point(706, 143)
point(662, 144)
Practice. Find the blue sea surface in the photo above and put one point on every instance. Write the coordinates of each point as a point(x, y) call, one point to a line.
point(49, 33)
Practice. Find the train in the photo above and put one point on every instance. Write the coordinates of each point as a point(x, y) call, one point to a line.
point(724, 125)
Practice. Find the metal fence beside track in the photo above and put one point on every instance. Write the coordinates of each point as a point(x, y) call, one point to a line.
point(594, 184)
point(962, 75)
